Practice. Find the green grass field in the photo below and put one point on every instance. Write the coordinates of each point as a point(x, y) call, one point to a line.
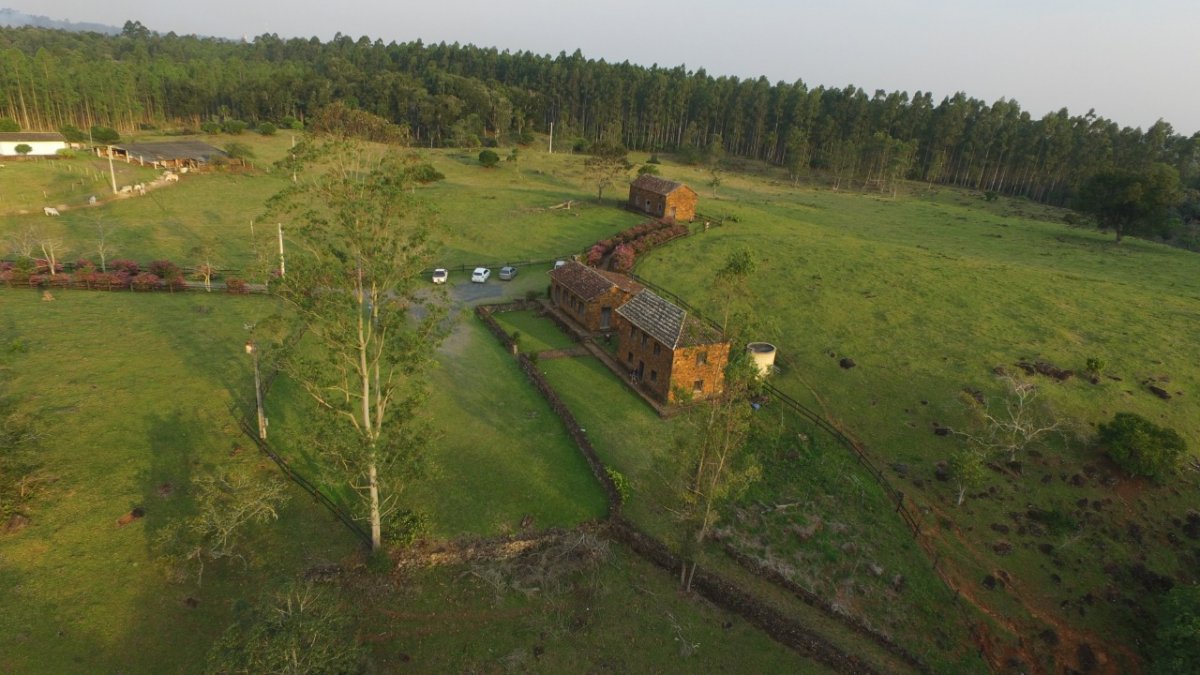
point(927, 292)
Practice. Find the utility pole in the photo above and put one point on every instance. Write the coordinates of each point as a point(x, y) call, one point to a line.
point(252, 350)
point(282, 265)
point(111, 171)
point(552, 138)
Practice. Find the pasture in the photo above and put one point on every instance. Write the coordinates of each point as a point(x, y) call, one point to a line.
point(929, 292)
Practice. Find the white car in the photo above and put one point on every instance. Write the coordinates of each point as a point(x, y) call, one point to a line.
point(480, 275)
point(440, 275)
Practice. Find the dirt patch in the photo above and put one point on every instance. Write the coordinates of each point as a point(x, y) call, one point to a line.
point(136, 514)
point(16, 523)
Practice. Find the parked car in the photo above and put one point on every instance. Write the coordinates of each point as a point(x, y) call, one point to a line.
point(559, 263)
point(440, 275)
point(480, 275)
point(507, 273)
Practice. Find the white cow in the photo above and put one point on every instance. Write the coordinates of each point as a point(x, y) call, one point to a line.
point(50, 211)
point(140, 188)
point(171, 177)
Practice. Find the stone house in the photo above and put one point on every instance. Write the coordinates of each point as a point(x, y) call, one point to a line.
point(590, 296)
point(669, 352)
point(42, 143)
point(662, 198)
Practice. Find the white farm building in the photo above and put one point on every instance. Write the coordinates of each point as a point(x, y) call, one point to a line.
point(44, 143)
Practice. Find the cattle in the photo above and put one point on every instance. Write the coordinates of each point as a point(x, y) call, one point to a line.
point(50, 211)
point(171, 177)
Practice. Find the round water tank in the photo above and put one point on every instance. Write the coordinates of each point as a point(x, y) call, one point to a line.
point(763, 354)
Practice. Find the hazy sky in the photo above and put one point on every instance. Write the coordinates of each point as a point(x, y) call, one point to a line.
point(1133, 62)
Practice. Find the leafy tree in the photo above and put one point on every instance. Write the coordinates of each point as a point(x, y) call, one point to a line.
point(237, 150)
point(300, 629)
point(353, 289)
point(650, 169)
point(104, 135)
point(9, 125)
point(23, 149)
point(72, 133)
point(606, 164)
point(1141, 447)
point(488, 159)
point(1177, 639)
point(1130, 201)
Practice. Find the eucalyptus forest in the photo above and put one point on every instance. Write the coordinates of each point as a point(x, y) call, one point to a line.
point(462, 95)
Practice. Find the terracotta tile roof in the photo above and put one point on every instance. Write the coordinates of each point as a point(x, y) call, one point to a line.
point(589, 283)
point(660, 186)
point(41, 136)
point(622, 282)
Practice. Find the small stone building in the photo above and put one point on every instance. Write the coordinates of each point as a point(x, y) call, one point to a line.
point(662, 198)
point(590, 296)
point(669, 352)
point(42, 143)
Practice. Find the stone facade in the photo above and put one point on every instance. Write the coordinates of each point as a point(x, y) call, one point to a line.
point(590, 296)
point(667, 351)
point(662, 198)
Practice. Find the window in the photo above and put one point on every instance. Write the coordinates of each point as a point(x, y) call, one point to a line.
point(701, 358)
point(656, 348)
point(632, 330)
point(698, 386)
point(654, 376)
point(644, 336)
point(630, 357)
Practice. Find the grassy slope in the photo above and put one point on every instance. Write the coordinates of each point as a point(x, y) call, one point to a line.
point(131, 393)
point(929, 292)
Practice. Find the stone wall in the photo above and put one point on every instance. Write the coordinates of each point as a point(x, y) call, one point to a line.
point(685, 370)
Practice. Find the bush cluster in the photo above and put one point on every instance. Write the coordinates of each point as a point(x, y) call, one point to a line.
point(121, 274)
point(1141, 447)
point(625, 245)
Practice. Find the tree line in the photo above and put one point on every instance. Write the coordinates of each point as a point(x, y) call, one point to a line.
point(462, 95)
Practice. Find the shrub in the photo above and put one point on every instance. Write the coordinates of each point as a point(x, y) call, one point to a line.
point(8, 125)
point(104, 135)
point(620, 482)
point(1177, 638)
point(66, 153)
point(524, 138)
point(233, 127)
point(489, 142)
point(622, 258)
point(290, 122)
point(164, 269)
point(177, 283)
point(23, 149)
point(72, 133)
point(146, 282)
point(1095, 365)
point(488, 159)
point(653, 159)
point(211, 128)
point(267, 129)
point(235, 285)
point(648, 169)
point(237, 150)
point(125, 265)
point(1141, 447)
